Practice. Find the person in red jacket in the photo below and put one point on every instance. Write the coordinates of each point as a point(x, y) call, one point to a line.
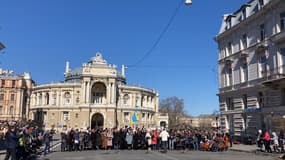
point(154, 137)
point(266, 139)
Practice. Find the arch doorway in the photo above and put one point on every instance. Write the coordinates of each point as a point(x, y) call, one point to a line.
point(163, 124)
point(97, 121)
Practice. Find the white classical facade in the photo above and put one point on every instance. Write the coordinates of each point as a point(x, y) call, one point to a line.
point(251, 67)
point(94, 95)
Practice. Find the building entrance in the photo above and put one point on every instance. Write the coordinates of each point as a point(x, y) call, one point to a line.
point(97, 121)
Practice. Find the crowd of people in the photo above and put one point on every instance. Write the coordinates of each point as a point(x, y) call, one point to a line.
point(24, 142)
point(141, 138)
point(265, 140)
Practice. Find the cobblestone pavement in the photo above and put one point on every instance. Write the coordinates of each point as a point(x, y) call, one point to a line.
point(155, 155)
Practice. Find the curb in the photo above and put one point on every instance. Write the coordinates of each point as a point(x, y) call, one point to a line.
point(257, 152)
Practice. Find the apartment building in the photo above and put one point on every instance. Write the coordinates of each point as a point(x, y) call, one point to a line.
point(251, 67)
point(15, 91)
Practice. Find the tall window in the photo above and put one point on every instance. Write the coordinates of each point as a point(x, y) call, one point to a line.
point(54, 99)
point(244, 41)
point(230, 103)
point(47, 99)
point(2, 82)
point(282, 52)
point(12, 97)
point(229, 48)
point(98, 93)
point(229, 75)
point(13, 83)
point(77, 100)
point(282, 21)
point(126, 117)
point(260, 99)
point(137, 101)
point(1, 110)
point(67, 98)
point(262, 32)
point(229, 23)
point(126, 99)
point(262, 66)
point(11, 110)
point(2, 97)
point(65, 115)
point(244, 72)
point(244, 99)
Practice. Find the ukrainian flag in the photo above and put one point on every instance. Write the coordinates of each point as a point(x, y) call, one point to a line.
point(135, 116)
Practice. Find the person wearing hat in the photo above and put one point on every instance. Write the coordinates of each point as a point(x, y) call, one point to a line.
point(259, 140)
point(12, 143)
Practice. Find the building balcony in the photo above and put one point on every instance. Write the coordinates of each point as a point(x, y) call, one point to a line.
point(279, 37)
point(227, 112)
point(273, 78)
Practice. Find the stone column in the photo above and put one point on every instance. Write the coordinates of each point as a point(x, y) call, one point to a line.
point(43, 98)
point(72, 97)
point(112, 93)
point(21, 104)
point(57, 98)
point(83, 92)
point(88, 92)
point(108, 93)
point(50, 96)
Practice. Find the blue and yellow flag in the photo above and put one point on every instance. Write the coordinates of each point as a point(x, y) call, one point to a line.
point(135, 116)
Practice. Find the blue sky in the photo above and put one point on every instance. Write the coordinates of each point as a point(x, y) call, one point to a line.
point(41, 36)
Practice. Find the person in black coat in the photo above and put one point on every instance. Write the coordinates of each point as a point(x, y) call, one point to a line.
point(281, 140)
point(93, 139)
point(98, 139)
point(12, 143)
point(116, 139)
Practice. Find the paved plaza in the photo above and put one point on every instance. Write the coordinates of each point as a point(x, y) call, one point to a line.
point(154, 155)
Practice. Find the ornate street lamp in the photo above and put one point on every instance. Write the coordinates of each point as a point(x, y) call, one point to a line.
point(188, 2)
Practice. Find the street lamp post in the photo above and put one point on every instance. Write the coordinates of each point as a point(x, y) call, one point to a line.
point(188, 2)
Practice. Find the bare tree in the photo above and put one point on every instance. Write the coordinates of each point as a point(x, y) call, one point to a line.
point(174, 106)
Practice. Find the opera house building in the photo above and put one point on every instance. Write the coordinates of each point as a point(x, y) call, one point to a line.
point(95, 95)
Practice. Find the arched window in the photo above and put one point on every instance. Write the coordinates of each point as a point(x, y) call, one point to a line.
point(47, 99)
point(98, 93)
point(11, 111)
point(126, 99)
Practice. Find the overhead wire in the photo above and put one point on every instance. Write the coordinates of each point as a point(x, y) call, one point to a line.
point(161, 35)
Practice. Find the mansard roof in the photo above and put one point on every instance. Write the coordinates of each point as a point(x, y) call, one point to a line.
point(251, 7)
